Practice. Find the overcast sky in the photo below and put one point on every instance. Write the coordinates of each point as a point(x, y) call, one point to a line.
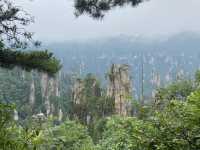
point(55, 21)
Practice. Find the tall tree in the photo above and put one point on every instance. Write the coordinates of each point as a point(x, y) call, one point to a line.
point(13, 34)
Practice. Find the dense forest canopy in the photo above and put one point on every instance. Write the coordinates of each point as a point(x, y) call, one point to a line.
point(169, 121)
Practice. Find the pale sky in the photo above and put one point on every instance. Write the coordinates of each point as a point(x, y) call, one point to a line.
point(55, 21)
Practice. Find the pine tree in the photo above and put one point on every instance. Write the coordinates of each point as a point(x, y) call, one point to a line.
point(98, 8)
point(13, 35)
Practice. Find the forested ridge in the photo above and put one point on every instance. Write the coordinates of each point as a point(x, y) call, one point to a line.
point(170, 120)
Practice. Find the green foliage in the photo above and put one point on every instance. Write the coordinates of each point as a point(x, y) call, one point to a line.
point(40, 60)
point(8, 132)
point(176, 127)
point(178, 90)
point(41, 135)
point(197, 77)
point(13, 21)
point(126, 133)
point(93, 102)
point(98, 8)
point(5, 115)
point(69, 135)
point(13, 34)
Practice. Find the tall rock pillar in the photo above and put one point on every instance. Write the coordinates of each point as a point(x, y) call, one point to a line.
point(119, 88)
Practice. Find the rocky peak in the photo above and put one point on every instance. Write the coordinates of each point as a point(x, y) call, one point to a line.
point(119, 88)
point(49, 87)
point(77, 91)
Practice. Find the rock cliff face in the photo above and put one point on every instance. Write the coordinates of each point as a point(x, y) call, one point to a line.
point(119, 88)
point(85, 87)
point(49, 87)
point(45, 92)
point(60, 115)
point(84, 92)
point(32, 93)
point(16, 117)
point(77, 91)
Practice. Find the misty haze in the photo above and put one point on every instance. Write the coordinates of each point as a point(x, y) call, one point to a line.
point(99, 75)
